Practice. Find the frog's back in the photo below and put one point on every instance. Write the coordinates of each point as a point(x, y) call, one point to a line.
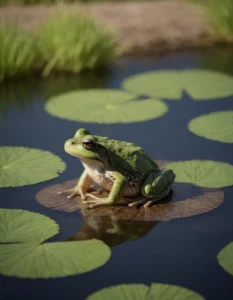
point(128, 157)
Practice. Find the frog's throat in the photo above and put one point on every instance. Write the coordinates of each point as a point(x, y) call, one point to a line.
point(92, 166)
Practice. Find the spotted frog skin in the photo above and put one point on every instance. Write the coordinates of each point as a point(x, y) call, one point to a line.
point(122, 168)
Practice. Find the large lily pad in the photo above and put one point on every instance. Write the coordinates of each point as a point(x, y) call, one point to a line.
point(51, 260)
point(205, 173)
point(22, 166)
point(185, 201)
point(17, 225)
point(217, 126)
point(104, 106)
point(156, 291)
point(225, 258)
point(31, 259)
point(170, 84)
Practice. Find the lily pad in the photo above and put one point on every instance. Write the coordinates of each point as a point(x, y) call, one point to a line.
point(51, 260)
point(31, 259)
point(225, 258)
point(170, 84)
point(217, 126)
point(22, 166)
point(185, 201)
point(205, 173)
point(104, 106)
point(157, 291)
point(18, 225)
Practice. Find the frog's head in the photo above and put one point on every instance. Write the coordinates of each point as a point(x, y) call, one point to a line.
point(85, 146)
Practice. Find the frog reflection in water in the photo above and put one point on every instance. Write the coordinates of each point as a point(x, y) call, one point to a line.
point(122, 168)
point(111, 230)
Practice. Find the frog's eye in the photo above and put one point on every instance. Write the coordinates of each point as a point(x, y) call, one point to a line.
point(88, 144)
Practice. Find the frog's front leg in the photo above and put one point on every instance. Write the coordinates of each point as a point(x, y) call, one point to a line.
point(115, 194)
point(81, 188)
point(156, 186)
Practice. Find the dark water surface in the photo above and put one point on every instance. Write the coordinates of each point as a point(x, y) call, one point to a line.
point(182, 251)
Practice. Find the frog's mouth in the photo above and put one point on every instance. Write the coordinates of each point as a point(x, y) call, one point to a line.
point(84, 158)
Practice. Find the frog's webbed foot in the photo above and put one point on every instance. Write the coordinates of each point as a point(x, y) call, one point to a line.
point(93, 196)
point(81, 188)
point(138, 203)
point(74, 192)
point(96, 202)
point(144, 202)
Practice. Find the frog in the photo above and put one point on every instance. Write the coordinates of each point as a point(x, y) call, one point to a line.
point(119, 167)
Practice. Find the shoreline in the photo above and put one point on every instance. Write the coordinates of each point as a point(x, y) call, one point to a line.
point(141, 28)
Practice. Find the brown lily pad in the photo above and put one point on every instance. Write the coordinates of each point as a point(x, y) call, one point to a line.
point(185, 200)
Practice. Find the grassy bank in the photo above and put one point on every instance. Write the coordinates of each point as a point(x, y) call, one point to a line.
point(65, 42)
point(220, 16)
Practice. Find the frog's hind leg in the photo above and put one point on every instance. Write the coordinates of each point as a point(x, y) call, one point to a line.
point(156, 186)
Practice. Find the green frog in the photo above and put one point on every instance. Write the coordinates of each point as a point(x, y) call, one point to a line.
point(122, 168)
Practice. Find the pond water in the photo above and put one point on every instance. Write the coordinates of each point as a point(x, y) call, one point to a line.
point(181, 251)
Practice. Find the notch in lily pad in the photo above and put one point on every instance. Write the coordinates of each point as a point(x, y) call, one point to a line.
point(204, 173)
point(105, 106)
point(26, 257)
point(216, 126)
point(156, 291)
point(21, 166)
point(225, 258)
point(170, 84)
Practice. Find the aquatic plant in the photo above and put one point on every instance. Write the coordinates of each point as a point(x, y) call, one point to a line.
point(24, 234)
point(170, 84)
point(220, 15)
point(107, 106)
point(15, 163)
point(18, 52)
point(74, 43)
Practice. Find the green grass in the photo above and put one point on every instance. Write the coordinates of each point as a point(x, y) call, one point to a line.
point(63, 43)
point(220, 14)
point(74, 43)
point(18, 52)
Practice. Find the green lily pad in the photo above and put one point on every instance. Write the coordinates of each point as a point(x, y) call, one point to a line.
point(156, 291)
point(217, 126)
point(30, 259)
point(18, 225)
point(51, 260)
point(170, 84)
point(22, 166)
point(104, 106)
point(225, 258)
point(204, 173)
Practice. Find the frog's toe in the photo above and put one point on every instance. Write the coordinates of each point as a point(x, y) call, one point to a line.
point(92, 196)
point(97, 202)
point(94, 203)
point(137, 203)
point(65, 192)
point(72, 195)
point(149, 203)
point(74, 192)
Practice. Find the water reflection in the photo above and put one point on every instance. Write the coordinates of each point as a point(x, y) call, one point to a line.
point(16, 95)
point(112, 230)
point(62, 83)
point(218, 59)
